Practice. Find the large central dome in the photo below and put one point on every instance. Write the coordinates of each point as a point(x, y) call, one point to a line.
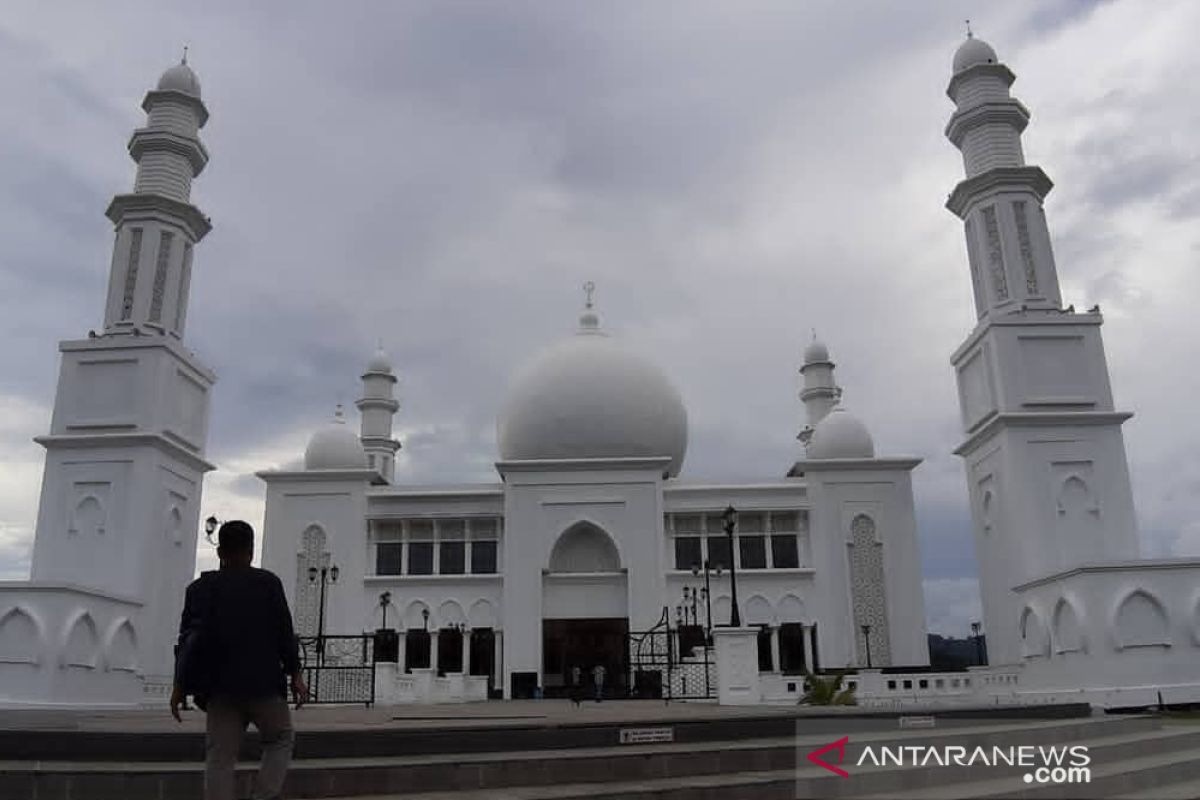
point(588, 397)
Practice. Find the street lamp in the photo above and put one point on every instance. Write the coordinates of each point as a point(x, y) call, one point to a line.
point(425, 617)
point(327, 575)
point(385, 600)
point(975, 628)
point(730, 519)
point(866, 632)
point(707, 595)
point(210, 527)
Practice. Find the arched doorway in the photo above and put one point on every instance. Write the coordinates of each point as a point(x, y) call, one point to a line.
point(585, 613)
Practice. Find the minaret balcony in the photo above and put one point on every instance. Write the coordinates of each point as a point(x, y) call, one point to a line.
point(159, 207)
point(160, 95)
point(996, 180)
point(1006, 112)
point(149, 139)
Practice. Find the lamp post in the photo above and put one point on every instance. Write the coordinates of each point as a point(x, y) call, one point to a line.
point(385, 600)
point(327, 575)
point(707, 596)
point(425, 617)
point(210, 527)
point(975, 628)
point(730, 518)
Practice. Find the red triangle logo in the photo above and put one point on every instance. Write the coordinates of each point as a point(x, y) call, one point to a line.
point(840, 747)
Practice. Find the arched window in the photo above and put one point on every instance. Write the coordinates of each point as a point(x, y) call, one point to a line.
point(1141, 621)
point(584, 548)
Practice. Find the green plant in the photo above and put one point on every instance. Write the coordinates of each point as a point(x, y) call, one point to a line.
point(827, 690)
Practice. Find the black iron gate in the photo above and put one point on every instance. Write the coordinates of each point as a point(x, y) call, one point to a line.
point(668, 663)
point(339, 669)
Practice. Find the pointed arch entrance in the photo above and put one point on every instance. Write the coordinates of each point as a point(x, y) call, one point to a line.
point(585, 614)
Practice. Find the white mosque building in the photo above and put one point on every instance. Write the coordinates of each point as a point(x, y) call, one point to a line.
point(587, 538)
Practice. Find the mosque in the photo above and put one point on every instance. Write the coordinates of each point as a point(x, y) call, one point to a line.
point(588, 541)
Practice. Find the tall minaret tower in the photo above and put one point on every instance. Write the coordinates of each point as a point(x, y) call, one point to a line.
point(377, 408)
point(125, 457)
point(1044, 453)
point(821, 392)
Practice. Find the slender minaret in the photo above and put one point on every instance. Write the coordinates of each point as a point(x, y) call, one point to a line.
point(377, 409)
point(157, 225)
point(821, 392)
point(125, 457)
point(1044, 453)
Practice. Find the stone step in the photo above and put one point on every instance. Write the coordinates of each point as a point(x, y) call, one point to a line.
point(1109, 754)
point(1184, 790)
point(351, 777)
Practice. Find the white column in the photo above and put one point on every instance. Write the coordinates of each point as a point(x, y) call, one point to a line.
point(737, 666)
point(402, 651)
point(776, 665)
point(466, 652)
point(433, 651)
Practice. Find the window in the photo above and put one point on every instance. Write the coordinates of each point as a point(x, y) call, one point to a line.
point(766, 661)
point(387, 558)
point(450, 650)
point(483, 558)
point(687, 552)
point(908, 684)
point(892, 685)
point(416, 649)
point(718, 552)
point(753, 552)
point(923, 683)
point(687, 523)
point(714, 523)
point(784, 552)
point(791, 648)
point(420, 558)
point(453, 558)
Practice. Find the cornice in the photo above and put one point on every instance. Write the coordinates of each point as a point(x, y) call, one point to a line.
point(165, 444)
point(146, 204)
point(852, 465)
point(1130, 565)
point(1029, 419)
point(995, 180)
point(155, 96)
point(1009, 111)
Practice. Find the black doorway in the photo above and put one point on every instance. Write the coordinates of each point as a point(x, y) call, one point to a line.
point(584, 643)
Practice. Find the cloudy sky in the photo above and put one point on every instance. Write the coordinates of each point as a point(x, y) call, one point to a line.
point(444, 177)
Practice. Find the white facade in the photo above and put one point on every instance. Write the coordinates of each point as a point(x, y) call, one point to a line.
point(588, 536)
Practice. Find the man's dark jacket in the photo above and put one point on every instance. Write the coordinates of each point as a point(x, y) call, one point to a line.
point(251, 645)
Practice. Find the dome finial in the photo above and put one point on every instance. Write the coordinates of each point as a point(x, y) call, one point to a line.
point(184, 59)
point(339, 415)
point(969, 34)
point(589, 289)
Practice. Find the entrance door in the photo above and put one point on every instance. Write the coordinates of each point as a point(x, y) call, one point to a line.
point(584, 643)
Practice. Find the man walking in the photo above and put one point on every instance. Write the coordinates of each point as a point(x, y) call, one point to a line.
point(249, 646)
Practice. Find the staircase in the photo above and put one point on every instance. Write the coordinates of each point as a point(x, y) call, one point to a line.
point(1131, 757)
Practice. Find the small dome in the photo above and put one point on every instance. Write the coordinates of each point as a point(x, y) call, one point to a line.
point(841, 435)
point(180, 78)
point(335, 446)
point(973, 51)
point(380, 361)
point(589, 397)
point(816, 352)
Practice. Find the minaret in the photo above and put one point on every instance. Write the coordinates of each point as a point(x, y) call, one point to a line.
point(125, 457)
point(157, 225)
point(821, 392)
point(377, 408)
point(1044, 452)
